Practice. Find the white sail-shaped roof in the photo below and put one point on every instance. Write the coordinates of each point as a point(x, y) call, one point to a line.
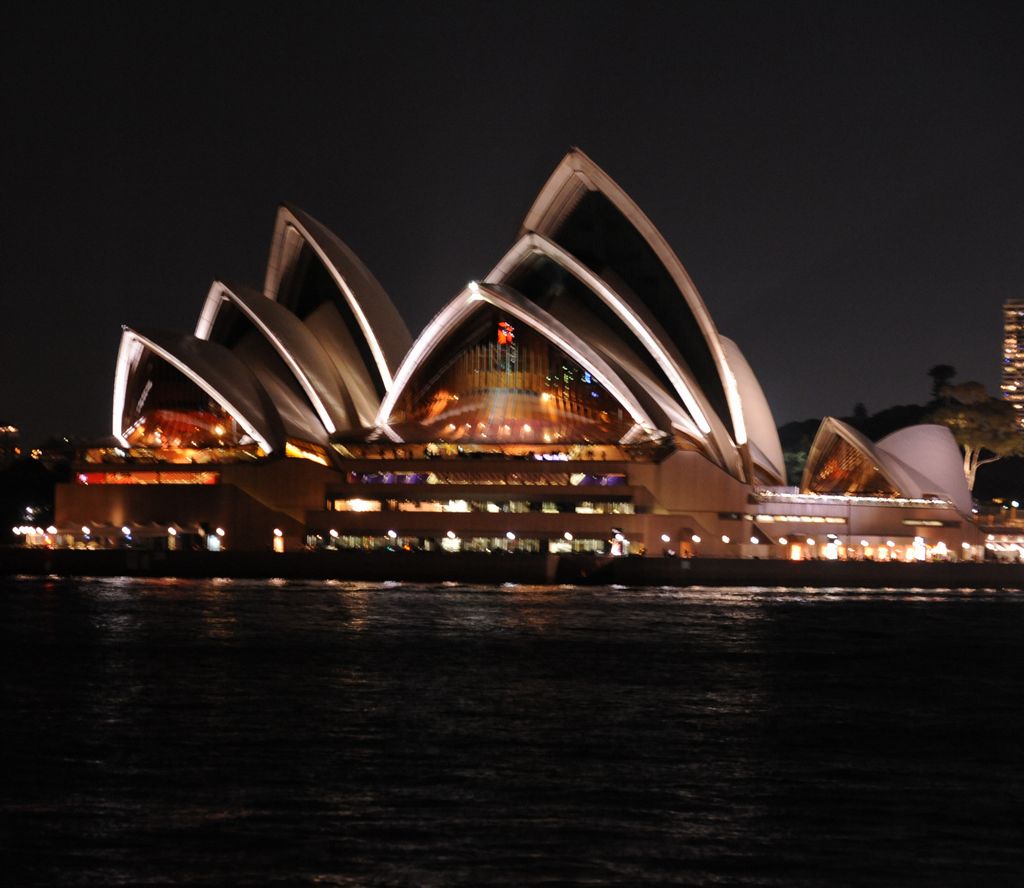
point(298, 348)
point(316, 276)
point(762, 433)
point(931, 453)
point(434, 337)
point(918, 462)
point(633, 331)
point(586, 213)
point(212, 368)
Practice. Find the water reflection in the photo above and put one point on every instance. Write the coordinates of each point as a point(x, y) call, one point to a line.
point(256, 732)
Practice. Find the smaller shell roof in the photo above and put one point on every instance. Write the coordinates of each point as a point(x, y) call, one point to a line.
point(931, 452)
point(920, 461)
point(213, 368)
point(293, 341)
point(381, 324)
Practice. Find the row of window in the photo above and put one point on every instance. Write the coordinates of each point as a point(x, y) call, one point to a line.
point(516, 507)
point(452, 543)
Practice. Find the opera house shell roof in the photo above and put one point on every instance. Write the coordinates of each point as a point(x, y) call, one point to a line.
point(588, 330)
point(918, 462)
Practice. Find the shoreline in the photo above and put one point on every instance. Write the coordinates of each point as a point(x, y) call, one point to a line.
point(431, 567)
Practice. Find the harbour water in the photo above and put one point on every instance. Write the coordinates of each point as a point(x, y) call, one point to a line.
point(329, 733)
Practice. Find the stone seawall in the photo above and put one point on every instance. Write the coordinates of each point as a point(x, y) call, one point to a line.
point(427, 567)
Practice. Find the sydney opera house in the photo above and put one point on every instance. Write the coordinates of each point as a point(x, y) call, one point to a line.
point(578, 398)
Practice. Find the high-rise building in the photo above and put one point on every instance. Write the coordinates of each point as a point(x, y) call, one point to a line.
point(1013, 354)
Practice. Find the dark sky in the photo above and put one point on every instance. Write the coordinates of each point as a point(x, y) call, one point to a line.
point(844, 182)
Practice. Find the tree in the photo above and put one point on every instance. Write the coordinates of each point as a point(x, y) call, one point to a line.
point(981, 425)
point(942, 375)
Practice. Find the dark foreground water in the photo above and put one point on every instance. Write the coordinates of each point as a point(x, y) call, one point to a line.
point(165, 732)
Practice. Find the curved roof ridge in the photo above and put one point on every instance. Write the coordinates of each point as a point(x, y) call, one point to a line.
point(647, 331)
point(379, 321)
point(214, 369)
point(762, 432)
point(554, 202)
point(831, 427)
point(301, 351)
point(545, 324)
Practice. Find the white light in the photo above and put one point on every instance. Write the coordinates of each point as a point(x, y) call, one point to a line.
point(334, 534)
point(392, 534)
point(965, 545)
point(665, 538)
point(890, 543)
point(754, 540)
point(864, 543)
point(51, 530)
point(510, 536)
point(1015, 504)
point(810, 542)
point(219, 531)
point(725, 539)
point(362, 505)
point(85, 530)
point(783, 541)
point(16, 531)
point(450, 534)
point(126, 530)
point(567, 536)
point(619, 537)
point(695, 538)
point(278, 532)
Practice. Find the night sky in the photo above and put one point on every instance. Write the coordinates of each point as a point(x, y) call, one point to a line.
point(844, 183)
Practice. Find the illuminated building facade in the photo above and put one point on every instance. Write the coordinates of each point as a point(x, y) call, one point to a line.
point(578, 398)
point(1012, 385)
